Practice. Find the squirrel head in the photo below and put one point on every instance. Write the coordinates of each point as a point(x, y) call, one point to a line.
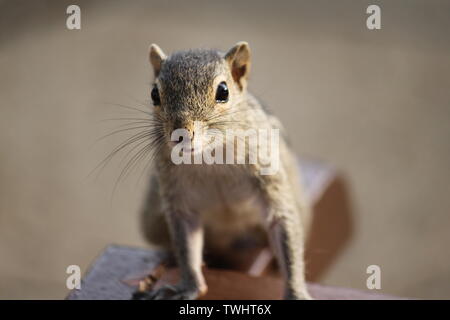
point(198, 85)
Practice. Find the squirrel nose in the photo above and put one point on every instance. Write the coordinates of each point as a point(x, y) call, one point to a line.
point(178, 124)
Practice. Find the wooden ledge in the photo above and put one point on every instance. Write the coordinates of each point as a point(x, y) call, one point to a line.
point(116, 273)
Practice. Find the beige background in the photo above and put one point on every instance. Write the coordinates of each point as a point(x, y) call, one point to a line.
point(373, 103)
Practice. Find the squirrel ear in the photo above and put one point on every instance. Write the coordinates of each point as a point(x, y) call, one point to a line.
point(156, 56)
point(238, 58)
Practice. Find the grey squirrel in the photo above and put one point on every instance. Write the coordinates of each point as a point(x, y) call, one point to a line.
point(191, 207)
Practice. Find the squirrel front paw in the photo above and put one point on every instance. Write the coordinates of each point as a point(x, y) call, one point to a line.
point(168, 292)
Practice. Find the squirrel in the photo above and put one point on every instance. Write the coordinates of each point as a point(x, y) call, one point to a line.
point(191, 207)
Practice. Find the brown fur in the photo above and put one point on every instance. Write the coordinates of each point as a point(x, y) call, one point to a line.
point(189, 205)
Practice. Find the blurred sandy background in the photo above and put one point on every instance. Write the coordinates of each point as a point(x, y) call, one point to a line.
point(373, 103)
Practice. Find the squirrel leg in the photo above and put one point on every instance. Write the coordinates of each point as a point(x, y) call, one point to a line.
point(286, 236)
point(187, 238)
point(289, 255)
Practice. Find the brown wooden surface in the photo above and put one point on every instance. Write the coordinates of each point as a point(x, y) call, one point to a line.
point(231, 285)
point(116, 273)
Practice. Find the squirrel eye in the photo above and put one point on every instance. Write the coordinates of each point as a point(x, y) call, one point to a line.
point(155, 96)
point(222, 92)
